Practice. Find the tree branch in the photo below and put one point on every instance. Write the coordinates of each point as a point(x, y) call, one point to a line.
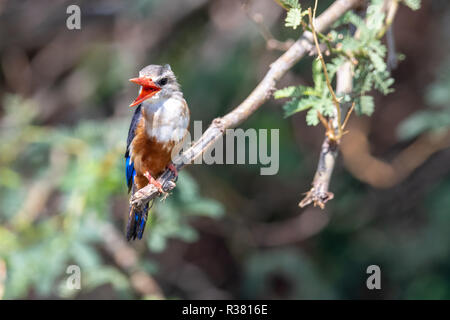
point(319, 194)
point(380, 173)
point(257, 97)
point(333, 132)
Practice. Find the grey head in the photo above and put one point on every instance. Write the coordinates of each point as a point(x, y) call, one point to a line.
point(163, 77)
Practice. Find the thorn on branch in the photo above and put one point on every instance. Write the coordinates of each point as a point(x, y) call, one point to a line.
point(270, 92)
point(316, 197)
point(319, 194)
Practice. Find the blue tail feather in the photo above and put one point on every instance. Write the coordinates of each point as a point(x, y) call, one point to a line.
point(136, 223)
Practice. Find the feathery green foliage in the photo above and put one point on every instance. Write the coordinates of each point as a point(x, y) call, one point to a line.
point(294, 18)
point(364, 49)
point(294, 13)
point(437, 117)
point(84, 168)
point(413, 4)
point(290, 3)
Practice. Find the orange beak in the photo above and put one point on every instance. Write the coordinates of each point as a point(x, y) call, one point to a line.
point(149, 89)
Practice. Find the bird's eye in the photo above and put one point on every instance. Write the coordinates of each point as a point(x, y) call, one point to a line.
point(162, 82)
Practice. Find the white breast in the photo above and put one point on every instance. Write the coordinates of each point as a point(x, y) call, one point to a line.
point(167, 119)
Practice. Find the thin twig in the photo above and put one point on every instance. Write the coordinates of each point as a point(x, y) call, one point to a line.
point(281, 4)
point(347, 116)
point(257, 97)
point(390, 15)
point(322, 37)
point(391, 60)
point(331, 134)
point(388, 30)
point(319, 194)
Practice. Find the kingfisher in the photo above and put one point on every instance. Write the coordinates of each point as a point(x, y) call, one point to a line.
point(158, 128)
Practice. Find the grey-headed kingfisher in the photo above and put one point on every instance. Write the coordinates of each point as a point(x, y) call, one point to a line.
point(157, 130)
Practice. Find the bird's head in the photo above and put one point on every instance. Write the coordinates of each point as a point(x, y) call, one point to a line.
point(156, 82)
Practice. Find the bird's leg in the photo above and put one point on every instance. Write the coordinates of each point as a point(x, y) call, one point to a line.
point(172, 168)
point(154, 182)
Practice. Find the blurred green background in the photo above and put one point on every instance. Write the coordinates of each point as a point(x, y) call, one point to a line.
point(226, 231)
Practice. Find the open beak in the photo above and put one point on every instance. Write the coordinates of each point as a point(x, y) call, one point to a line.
point(149, 89)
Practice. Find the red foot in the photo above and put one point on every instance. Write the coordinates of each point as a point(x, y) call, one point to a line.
point(172, 168)
point(154, 182)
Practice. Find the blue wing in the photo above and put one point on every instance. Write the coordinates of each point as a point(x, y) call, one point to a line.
point(129, 165)
point(136, 219)
point(130, 172)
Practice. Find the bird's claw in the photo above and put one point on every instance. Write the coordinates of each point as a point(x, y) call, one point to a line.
point(164, 197)
point(174, 170)
point(154, 182)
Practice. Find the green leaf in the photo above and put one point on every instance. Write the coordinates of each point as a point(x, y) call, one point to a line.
point(366, 105)
point(352, 18)
point(383, 82)
point(369, 73)
point(423, 121)
point(311, 117)
point(298, 105)
point(287, 92)
point(290, 3)
point(438, 94)
point(377, 61)
point(375, 16)
point(295, 92)
point(350, 44)
point(318, 76)
point(378, 47)
point(413, 4)
point(293, 18)
point(333, 67)
point(364, 80)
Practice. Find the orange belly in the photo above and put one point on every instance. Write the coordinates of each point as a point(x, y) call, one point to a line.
point(149, 155)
